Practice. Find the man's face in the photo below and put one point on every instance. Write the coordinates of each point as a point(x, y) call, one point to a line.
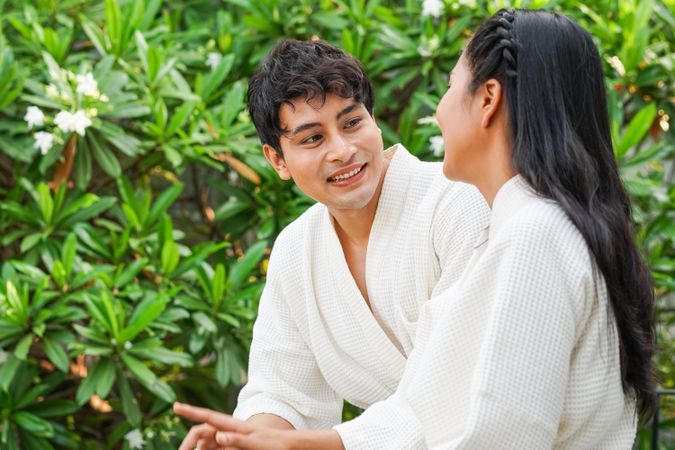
point(333, 151)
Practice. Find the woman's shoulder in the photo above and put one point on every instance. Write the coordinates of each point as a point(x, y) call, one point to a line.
point(542, 225)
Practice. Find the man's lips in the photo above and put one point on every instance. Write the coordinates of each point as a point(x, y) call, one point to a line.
point(346, 172)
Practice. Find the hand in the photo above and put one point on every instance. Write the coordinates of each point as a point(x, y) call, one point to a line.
point(223, 432)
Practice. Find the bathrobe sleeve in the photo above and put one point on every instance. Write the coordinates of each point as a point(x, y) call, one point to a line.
point(459, 220)
point(283, 376)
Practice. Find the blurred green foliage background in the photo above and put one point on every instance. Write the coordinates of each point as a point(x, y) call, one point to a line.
point(137, 211)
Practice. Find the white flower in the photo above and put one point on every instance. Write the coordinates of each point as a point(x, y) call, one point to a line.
point(77, 122)
point(87, 85)
point(43, 141)
point(213, 59)
point(232, 177)
point(104, 98)
point(91, 112)
point(617, 65)
point(427, 120)
point(135, 439)
point(436, 143)
point(424, 52)
point(52, 91)
point(432, 8)
point(127, 345)
point(34, 116)
point(458, 3)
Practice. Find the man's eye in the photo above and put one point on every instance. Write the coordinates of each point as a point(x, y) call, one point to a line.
point(312, 139)
point(353, 122)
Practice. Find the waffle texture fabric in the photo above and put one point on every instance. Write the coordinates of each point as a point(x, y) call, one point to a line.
point(315, 341)
point(521, 353)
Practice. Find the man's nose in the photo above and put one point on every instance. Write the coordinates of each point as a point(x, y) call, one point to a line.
point(341, 150)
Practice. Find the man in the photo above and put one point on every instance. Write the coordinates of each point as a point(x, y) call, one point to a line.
point(347, 279)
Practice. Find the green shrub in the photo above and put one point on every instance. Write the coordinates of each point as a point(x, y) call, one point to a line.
point(137, 210)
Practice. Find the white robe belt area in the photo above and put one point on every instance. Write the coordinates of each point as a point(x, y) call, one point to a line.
point(315, 341)
point(522, 353)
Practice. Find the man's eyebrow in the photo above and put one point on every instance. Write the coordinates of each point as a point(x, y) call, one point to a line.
point(309, 125)
point(347, 110)
point(303, 127)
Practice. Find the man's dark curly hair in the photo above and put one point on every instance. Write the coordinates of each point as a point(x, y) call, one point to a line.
point(302, 69)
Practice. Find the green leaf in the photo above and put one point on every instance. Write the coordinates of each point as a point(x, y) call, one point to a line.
point(87, 213)
point(45, 202)
point(90, 334)
point(30, 241)
point(8, 370)
point(97, 311)
point(68, 253)
point(114, 134)
point(242, 269)
point(218, 285)
point(222, 366)
point(53, 408)
point(148, 379)
point(113, 25)
point(216, 77)
point(144, 314)
point(75, 205)
point(105, 158)
point(59, 274)
point(164, 200)
point(56, 354)
point(105, 377)
point(130, 272)
point(200, 254)
point(17, 302)
point(33, 272)
point(179, 118)
point(91, 239)
point(129, 402)
point(130, 110)
point(87, 386)
point(165, 356)
point(170, 257)
point(19, 213)
point(205, 322)
point(22, 348)
point(33, 424)
point(93, 33)
point(233, 104)
point(112, 317)
point(230, 319)
point(636, 130)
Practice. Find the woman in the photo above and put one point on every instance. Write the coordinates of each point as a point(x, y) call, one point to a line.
point(546, 340)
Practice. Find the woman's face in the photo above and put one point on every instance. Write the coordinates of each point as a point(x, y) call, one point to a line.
point(459, 119)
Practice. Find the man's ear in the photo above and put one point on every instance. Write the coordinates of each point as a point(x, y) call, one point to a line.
point(490, 95)
point(277, 161)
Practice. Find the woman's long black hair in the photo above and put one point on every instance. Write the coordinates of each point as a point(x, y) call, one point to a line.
point(552, 78)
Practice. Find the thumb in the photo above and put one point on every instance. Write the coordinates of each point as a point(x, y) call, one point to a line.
point(232, 439)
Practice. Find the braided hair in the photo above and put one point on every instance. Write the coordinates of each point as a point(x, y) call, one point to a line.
point(559, 132)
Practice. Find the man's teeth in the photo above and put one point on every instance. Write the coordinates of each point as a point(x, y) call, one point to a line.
point(344, 176)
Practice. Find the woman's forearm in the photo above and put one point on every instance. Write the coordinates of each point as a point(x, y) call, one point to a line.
point(270, 421)
point(316, 440)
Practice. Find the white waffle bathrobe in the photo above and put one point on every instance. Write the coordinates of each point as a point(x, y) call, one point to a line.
point(315, 342)
point(521, 354)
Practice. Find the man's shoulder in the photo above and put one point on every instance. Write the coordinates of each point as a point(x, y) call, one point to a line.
point(291, 238)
